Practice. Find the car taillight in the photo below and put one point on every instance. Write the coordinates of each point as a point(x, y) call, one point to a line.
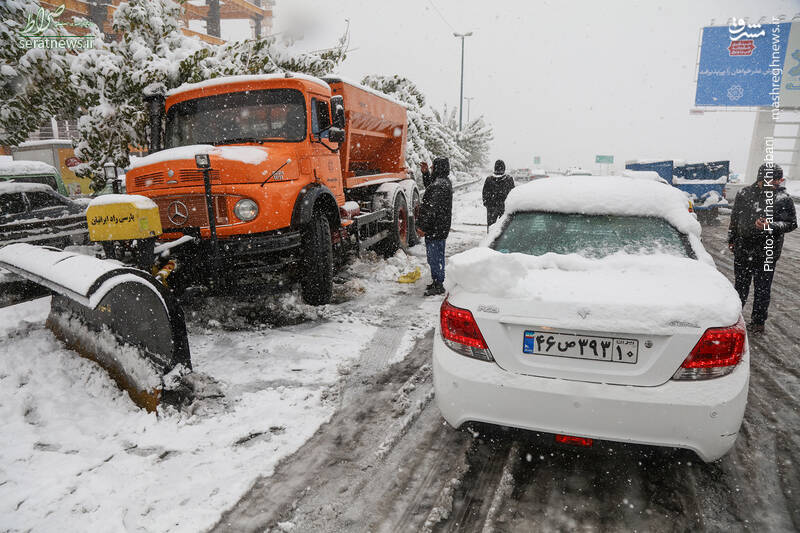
point(574, 441)
point(716, 354)
point(461, 334)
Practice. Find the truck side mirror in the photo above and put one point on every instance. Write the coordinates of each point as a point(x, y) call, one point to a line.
point(336, 135)
point(337, 112)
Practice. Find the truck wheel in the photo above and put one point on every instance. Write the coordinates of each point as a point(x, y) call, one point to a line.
point(399, 230)
point(413, 238)
point(316, 264)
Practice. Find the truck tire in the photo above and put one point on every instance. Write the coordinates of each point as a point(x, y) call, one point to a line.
point(413, 238)
point(316, 263)
point(399, 230)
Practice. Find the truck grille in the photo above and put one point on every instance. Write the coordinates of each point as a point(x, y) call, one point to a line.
point(191, 174)
point(187, 175)
point(147, 180)
point(189, 211)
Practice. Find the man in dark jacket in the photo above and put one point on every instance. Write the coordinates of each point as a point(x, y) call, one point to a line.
point(762, 213)
point(434, 221)
point(495, 189)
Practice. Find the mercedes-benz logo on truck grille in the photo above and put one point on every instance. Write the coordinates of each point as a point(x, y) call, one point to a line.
point(178, 213)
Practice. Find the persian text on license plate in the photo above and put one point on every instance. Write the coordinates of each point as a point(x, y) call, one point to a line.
point(611, 349)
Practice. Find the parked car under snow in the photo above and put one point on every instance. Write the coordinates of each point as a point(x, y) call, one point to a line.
point(36, 214)
point(593, 312)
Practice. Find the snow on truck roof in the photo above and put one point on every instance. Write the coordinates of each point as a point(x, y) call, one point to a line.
point(20, 167)
point(222, 80)
point(605, 195)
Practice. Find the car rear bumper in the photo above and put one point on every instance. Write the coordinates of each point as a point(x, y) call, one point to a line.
point(703, 416)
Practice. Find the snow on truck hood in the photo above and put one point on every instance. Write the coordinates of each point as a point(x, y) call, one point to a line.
point(252, 155)
point(619, 293)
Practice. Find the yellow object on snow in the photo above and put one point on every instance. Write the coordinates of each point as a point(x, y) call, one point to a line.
point(410, 277)
point(120, 217)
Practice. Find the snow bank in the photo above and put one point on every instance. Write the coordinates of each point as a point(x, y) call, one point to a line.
point(140, 202)
point(251, 155)
point(638, 293)
point(605, 195)
point(223, 80)
point(21, 167)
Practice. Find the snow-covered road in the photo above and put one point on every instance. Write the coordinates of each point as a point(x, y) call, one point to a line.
point(321, 419)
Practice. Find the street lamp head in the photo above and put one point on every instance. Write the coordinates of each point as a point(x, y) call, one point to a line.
point(110, 170)
point(462, 35)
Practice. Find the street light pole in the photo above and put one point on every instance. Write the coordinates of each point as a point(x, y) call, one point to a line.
point(461, 96)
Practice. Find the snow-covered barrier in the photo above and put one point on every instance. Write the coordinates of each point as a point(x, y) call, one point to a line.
point(120, 317)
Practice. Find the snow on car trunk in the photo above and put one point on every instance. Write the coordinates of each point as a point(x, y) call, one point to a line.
point(632, 319)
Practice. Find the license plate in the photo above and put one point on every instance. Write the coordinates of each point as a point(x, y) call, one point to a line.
point(612, 349)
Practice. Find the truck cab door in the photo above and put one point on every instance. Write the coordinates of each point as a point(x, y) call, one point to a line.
point(325, 164)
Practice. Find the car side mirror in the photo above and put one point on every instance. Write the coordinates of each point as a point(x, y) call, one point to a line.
point(336, 135)
point(337, 112)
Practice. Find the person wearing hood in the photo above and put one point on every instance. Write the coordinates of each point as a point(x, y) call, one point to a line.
point(495, 190)
point(762, 213)
point(434, 221)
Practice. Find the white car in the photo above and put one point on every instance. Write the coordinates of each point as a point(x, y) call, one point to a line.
point(592, 311)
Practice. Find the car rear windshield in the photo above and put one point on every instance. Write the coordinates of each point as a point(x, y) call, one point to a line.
point(537, 233)
point(273, 114)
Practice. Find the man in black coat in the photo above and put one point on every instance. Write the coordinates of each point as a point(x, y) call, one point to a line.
point(495, 189)
point(762, 213)
point(434, 221)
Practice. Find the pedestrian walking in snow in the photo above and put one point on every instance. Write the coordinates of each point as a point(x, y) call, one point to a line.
point(762, 213)
point(434, 221)
point(495, 189)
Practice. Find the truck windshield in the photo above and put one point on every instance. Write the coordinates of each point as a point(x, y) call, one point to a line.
point(595, 236)
point(273, 115)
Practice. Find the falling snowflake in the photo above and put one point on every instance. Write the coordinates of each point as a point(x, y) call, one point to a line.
point(735, 92)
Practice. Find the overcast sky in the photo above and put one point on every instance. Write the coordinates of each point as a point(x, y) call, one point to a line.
point(562, 80)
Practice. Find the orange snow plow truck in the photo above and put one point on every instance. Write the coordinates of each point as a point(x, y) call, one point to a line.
point(276, 173)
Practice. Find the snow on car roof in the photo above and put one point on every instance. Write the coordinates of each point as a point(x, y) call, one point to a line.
point(7, 187)
point(605, 195)
point(22, 167)
point(238, 79)
point(651, 175)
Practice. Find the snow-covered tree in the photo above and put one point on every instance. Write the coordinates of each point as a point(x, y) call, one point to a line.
point(473, 138)
point(32, 80)
point(114, 77)
point(432, 134)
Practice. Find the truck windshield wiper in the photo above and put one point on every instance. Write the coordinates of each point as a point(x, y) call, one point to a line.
point(237, 140)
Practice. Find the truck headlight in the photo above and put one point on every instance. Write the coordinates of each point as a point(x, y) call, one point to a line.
point(245, 210)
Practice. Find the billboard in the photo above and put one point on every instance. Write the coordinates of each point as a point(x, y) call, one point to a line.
point(742, 65)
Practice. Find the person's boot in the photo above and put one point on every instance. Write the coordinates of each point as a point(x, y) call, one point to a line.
point(433, 289)
point(755, 329)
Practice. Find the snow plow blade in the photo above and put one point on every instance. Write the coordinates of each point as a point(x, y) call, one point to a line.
point(117, 316)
